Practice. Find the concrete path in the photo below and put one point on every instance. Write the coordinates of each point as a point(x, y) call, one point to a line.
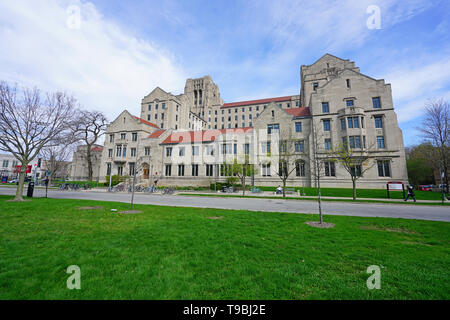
point(423, 212)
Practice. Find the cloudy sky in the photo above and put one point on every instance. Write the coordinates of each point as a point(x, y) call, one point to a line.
point(118, 51)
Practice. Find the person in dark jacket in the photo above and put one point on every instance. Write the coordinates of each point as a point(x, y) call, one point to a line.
point(410, 194)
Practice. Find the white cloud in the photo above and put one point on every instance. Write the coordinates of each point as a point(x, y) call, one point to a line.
point(104, 66)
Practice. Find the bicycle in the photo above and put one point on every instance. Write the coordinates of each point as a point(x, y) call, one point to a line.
point(168, 191)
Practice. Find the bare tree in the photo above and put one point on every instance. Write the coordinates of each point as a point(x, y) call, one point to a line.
point(435, 129)
point(355, 162)
point(88, 127)
point(317, 164)
point(56, 158)
point(29, 122)
point(287, 159)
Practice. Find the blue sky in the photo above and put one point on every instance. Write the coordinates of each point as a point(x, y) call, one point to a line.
point(120, 50)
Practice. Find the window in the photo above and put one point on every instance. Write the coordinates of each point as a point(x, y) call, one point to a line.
point(325, 107)
point(378, 121)
point(283, 146)
point(168, 151)
point(168, 170)
point(299, 146)
point(209, 170)
point(108, 169)
point(246, 148)
point(229, 118)
point(353, 122)
point(282, 168)
point(181, 151)
point(330, 170)
point(119, 151)
point(148, 117)
point(235, 118)
point(134, 136)
point(250, 109)
point(298, 127)
point(131, 166)
point(162, 116)
point(119, 170)
point(226, 148)
point(149, 107)
point(210, 150)
point(156, 106)
point(195, 170)
point(235, 148)
point(347, 81)
point(384, 169)
point(300, 168)
point(273, 128)
point(111, 138)
point(243, 117)
point(265, 170)
point(355, 171)
point(343, 127)
point(376, 102)
point(380, 142)
point(326, 125)
point(250, 116)
point(147, 151)
point(315, 86)
point(257, 108)
point(163, 105)
point(355, 142)
point(296, 103)
point(229, 111)
point(123, 136)
point(195, 150)
point(124, 151)
point(5, 163)
point(273, 113)
point(181, 170)
point(156, 116)
point(349, 102)
point(110, 153)
point(328, 144)
point(133, 152)
point(265, 147)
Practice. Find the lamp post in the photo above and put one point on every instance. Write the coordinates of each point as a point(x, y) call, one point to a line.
point(134, 173)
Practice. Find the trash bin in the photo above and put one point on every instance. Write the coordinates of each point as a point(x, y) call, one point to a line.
point(224, 189)
point(30, 189)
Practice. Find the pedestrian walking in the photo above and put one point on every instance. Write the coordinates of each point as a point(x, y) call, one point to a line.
point(410, 194)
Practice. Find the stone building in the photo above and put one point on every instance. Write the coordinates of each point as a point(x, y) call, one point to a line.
point(190, 138)
point(79, 167)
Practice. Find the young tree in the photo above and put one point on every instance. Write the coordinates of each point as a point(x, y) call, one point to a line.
point(435, 129)
point(317, 165)
point(88, 127)
point(30, 122)
point(287, 159)
point(243, 170)
point(355, 162)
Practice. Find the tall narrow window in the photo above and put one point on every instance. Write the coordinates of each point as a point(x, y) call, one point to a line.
point(325, 107)
point(378, 121)
point(195, 170)
point(376, 102)
point(347, 81)
point(298, 127)
point(168, 170)
point(384, 169)
point(380, 142)
point(326, 125)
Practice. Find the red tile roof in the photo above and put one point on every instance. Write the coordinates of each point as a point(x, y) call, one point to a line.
point(146, 122)
point(298, 112)
point(249, 102)
point(97, 149)
point(156, 134)
point(202, 136)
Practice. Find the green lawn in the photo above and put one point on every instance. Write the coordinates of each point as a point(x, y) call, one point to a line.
point(180, 253)
point(280, 197)
point(363, 193)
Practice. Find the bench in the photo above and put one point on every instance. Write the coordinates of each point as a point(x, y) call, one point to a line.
point(287, 191)
point(255, 190)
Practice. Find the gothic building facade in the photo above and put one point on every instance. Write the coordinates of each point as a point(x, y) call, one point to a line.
point(191, 138)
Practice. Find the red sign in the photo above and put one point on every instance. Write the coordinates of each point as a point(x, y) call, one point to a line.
point(17, 169)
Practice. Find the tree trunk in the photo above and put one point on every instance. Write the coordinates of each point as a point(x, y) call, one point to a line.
point(22, 175)
point(243, 185)
point(284, 188)
point(319, 199)
point(89, 160)
point(354, 188)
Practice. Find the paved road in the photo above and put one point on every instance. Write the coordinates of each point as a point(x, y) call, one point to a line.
point(436, 213)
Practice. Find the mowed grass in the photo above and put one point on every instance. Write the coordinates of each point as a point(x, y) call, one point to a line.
point(363, 193)
point(181, 253)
